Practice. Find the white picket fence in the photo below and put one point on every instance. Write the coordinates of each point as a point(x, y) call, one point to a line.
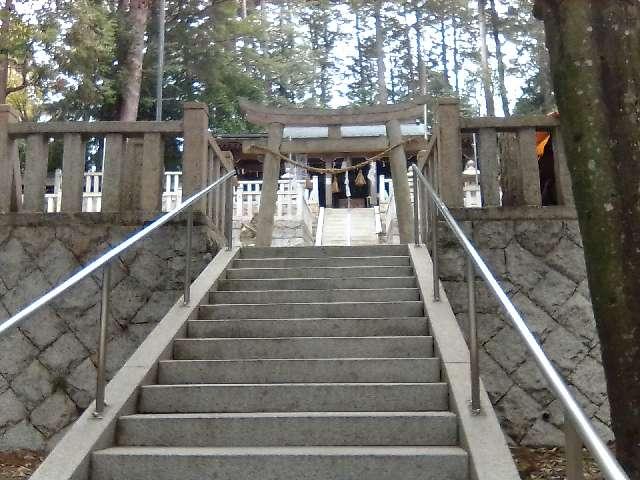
point(293, 195)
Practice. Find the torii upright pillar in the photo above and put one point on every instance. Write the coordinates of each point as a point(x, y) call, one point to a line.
point(269, 194)
point(400, 182)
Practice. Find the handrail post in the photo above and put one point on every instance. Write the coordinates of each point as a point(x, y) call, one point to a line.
point(473, 338)
point(434, 251)
point(228, 214)
point(416, 215)
point(187, 266)
point(573, 450)
point(102, 341)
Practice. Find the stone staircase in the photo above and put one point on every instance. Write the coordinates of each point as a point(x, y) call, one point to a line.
point(349, 226)
point(307, 364)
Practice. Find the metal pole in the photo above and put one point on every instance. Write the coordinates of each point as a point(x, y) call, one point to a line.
point(102, 341)
point(573, 449)
point(187, 266)
point(228, 214)
point(473, 338)
point(160, 66)
point(416, 205)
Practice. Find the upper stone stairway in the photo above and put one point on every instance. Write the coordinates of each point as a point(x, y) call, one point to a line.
point(349, 226)
point(306, 364)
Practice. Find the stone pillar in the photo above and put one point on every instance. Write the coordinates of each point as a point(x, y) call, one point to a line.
point(509, 170)
point(564, 190)
point(328, 178)
point(196, 146)
point(73, 172)
point(9, 199)
point(450, 153)
point(373, 183)
point(35, 173)
point(132, 172)
point(528, 167)
point(112, 172)
point(489, 168)
point(269, 195)
point(398, 162)
point(152, 173)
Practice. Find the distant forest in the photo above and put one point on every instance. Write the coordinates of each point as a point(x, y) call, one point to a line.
point(92, 59)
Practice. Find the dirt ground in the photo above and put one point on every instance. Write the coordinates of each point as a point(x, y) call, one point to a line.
point(18, 464)
point(548, 464)
point(533, 464)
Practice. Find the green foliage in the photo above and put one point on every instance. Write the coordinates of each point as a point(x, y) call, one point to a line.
point(282, 52)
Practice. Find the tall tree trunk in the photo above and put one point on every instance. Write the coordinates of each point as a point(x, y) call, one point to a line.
point(5, 15)
point(315, 48)
point(495, 30)
point(487, 83)
point(594, 49)
point(379, 45)
point(544, 74)
point(362, 83)
point(456, 54)
point(443, 52)
point(407, 40)
point(264, 22)
point(422, 66)
point(136, 23)
point(325, 81)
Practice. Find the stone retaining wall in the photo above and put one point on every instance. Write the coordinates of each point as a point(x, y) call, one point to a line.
point(47, 364)
point(539, 261)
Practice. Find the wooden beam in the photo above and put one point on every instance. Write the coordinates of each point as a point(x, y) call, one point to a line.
point(375, 115)
point(511, 124)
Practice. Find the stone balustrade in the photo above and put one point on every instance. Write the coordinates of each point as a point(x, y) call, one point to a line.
point(505, 153)
point(133, 176)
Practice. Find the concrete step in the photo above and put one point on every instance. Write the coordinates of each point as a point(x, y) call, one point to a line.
point(307, 252)
point(316, 296)
point(317, 283)
point(308, 327)
point(352, 370)
point(280, 463)
point(312, 310)
point(381, 261)
point(295, 397)
point(302, 347)
point(288, 429)
point(319, 272)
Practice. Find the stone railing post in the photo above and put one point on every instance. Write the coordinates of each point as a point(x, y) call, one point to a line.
point(35, 173)
point(489, 167)
point(10, 181)
point(449, 166)
point(528, 168)
point(196, 150)
point(564, 190)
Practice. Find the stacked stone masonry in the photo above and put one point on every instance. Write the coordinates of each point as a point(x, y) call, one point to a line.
point(540, 264)
point(47, 364)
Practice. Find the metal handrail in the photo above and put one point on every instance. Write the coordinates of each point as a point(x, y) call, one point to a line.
point(578, 427)
point(104, 261)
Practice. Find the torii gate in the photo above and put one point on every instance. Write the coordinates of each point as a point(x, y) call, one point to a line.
point(275, 119)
